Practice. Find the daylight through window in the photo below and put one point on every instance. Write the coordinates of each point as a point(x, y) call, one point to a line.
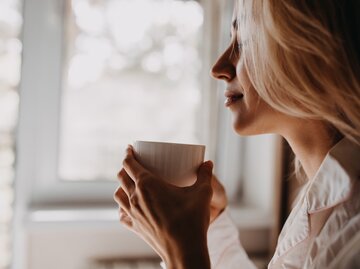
point(131, 72)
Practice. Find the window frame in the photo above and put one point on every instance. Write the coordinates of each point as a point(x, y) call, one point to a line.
point(40, 90)
point(39, 119)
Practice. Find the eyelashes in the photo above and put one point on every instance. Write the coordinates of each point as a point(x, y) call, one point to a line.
point(236, 45)
point(237, 48)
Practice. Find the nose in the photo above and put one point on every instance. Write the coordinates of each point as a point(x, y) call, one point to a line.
point(225, 67)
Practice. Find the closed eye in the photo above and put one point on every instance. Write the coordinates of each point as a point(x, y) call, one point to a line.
point(236, 49)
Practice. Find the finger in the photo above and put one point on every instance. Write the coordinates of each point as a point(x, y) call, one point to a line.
point(219, 198)
point(125, 219)
point(122, 199)
point(133, 168)
point(204, 174)
point(122, 211)
point(213, 214)
point(127, 183)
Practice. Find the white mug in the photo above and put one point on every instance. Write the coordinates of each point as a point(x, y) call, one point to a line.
point(173, 162)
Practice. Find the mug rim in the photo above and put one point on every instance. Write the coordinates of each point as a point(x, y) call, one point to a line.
point(168, 143)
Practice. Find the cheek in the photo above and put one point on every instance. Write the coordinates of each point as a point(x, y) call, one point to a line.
point(250, 95)
point(243, 76)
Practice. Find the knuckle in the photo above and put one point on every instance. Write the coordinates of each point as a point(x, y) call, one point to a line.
point(134, 200)
point(142, 184)
point(126, 161)
point(118, 200)
point(206, 190)
point(143, 175)
point(145, 185)
point(120, 175)
point(117, 192)
point(122, 180)
point(144, 181)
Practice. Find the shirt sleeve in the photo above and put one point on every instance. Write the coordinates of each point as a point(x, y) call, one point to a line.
point(225, 249)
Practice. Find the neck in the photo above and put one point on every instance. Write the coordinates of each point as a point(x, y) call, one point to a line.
point(311, 141)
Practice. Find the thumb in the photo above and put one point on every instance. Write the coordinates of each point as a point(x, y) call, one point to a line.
point(204, 174)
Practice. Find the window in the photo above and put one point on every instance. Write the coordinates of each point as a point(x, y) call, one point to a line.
point(97, 76)
point(132, 72)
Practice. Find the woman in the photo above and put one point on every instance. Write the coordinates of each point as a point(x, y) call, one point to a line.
point(292, 68)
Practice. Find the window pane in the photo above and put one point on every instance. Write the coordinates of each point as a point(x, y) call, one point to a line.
point(132, 72)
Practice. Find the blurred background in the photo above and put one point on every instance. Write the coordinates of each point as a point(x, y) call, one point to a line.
point(81, 79)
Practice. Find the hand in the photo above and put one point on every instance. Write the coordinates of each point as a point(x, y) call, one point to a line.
point(171, 219)
point(219, 200)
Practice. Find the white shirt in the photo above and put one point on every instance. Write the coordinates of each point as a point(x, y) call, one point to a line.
point(322, 230)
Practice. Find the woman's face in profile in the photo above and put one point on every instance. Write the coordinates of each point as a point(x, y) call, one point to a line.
point(251, 115)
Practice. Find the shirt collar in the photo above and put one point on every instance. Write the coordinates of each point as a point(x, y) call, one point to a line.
point(333, 181)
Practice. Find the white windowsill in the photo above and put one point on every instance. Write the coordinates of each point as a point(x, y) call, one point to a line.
point(244, 217)
point(78, 234)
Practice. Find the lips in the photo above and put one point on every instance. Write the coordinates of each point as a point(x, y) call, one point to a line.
point(232, 97)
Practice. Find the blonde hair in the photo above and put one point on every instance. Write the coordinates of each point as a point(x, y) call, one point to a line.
point(303, 58)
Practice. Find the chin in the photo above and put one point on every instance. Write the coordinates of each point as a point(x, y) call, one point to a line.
point(240, 130)
point(243, 129)
point(247, 132)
